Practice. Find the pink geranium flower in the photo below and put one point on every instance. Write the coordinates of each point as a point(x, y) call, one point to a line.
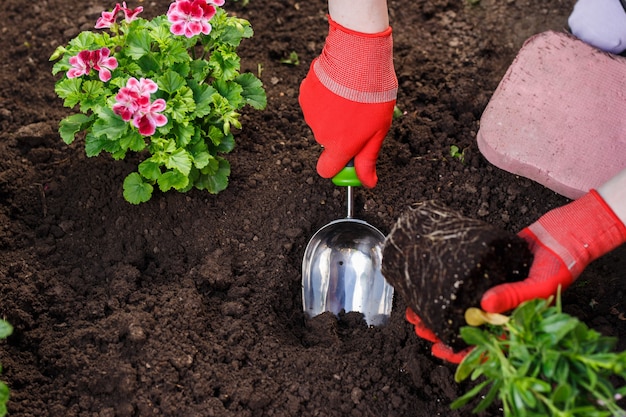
point(148, 118)
point(134, 96)
point(107, 18)
point(81, 64)
point(127, 103)
point(130, 14)
point(133, 102)
point(191, 17)
point(99, 60)
point(103, 63)
point(143, 86)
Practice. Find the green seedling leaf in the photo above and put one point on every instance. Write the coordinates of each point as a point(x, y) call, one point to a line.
point(5, 329)
point(292, 59)
point(457, 153)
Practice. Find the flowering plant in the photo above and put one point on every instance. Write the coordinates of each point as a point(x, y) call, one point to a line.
point(167, 88)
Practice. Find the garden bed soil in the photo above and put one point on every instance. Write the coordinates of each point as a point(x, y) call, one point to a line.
point(190, 304)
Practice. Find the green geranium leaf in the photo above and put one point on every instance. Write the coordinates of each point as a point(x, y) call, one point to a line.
point(181, 105)
point(109, 124)
point(84, 40)
point(202, 95)
point(71, 125)
point(183, 133)
point(136, 190)
point(170, 82)
point(200, 69)
point(172, 179)
point(253, 91)
point(150, 169)
point(231, 91)
point(133, 140)
point(224, 64)
point(227, 144)
point(138, 42)
point(179, 160)
point(93, 95)
point(234, 31)
point(94, 144)
point(148, 64)
point(70, 90)
point(217, 181)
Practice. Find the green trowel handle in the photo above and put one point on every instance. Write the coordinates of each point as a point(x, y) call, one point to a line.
point(347, 177)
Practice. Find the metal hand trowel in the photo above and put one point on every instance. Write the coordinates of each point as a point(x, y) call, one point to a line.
point(341, 268)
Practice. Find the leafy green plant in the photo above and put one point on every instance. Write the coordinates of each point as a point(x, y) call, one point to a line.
point(5, 331)
point(167, 89)
point(543, 362)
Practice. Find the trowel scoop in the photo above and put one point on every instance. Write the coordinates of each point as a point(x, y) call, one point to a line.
point(341, 268)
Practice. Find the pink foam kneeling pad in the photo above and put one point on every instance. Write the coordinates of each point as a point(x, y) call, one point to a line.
point(558, 115)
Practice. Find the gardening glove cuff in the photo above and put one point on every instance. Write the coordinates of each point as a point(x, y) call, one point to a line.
point(600, 23)
point(438, 349)
point(563, 241)
point(348, 99)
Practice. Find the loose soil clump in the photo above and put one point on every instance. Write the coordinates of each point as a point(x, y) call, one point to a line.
point(442, 262)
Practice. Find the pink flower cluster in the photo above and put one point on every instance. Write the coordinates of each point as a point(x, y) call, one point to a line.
point(133, 102)
point(99, 60)
point(109, 18)
point(191, 17)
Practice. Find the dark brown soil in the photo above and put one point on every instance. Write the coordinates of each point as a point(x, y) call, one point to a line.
point(190, 305)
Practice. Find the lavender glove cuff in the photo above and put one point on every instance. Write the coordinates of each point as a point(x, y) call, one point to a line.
point(600, 23)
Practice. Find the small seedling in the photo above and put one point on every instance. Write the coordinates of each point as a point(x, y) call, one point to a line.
point(5, 331)
point(457, 153)
point(397, 113)
point(543, 362)
point(292, 59)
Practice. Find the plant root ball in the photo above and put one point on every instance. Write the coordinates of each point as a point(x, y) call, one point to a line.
point(442, 262)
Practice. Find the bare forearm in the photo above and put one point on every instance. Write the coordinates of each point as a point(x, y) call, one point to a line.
point(614, 194)
point(366, 16)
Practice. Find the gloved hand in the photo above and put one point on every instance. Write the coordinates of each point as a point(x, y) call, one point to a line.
point(438, 349)
point(348, 99)
point(564, 241)
point(600, 23)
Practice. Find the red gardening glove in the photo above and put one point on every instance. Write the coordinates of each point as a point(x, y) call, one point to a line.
point(564, 241)
point(438, 349)
point(348, 98)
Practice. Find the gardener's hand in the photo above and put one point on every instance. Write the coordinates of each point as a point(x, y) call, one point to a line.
point(348, 99)
point(438, 349)
point(564, 241)
point(600, 23)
